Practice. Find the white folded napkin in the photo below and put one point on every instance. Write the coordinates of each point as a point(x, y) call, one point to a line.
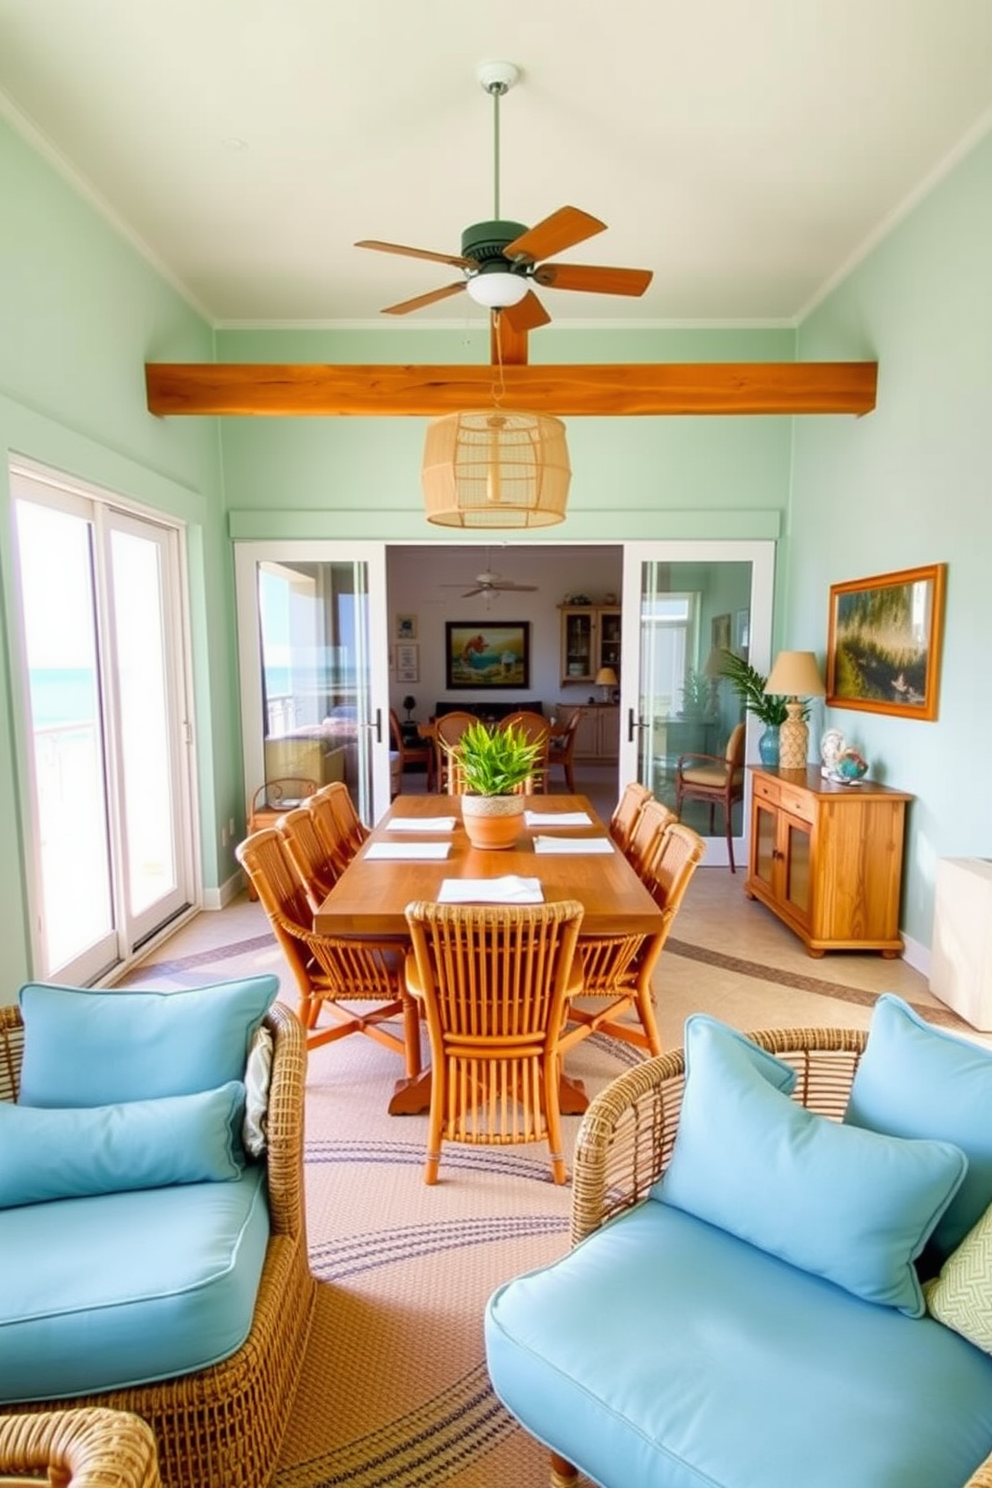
point(511, 889)
point(572, 845)
point(422, 824)
point(408, 850)
point(557, 819)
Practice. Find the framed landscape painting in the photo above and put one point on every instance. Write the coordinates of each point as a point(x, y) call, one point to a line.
point(485, 656)
point(883, 650)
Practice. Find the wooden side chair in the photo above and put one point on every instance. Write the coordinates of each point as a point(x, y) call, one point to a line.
point(494, 981)
point(715, 779)
point(332, 972)
point(411, 754)
point(318, 868)
point(537, 730)
point(561, 749)
point(448, 729)
point(626, 812)
point(337, 821)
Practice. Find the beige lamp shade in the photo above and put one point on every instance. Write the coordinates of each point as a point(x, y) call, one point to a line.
point(795, 675)
point(494, 469)
point(607, 677)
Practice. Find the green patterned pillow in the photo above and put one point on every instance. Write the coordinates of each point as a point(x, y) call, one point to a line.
point(961, 1296)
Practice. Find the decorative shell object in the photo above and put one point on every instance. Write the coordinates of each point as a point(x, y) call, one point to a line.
point(850, 767)
point(832, 746)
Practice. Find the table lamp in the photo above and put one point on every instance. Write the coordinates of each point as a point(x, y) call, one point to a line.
point(607, 679)
point(409, 704)
point(794, 676)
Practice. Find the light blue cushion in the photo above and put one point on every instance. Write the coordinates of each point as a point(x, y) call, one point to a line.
point(915, 1080)
point(849, 1205)
point(93, 1048)
point(168, 1285)
point(63, 1154)
point(664, 1353)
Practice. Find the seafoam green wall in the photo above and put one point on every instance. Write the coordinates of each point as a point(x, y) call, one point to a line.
point(912, 485)
point(631, 477)
point(80, 312)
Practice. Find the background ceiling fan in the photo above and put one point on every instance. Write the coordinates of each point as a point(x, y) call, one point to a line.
point(489, 582)
point(499, 259)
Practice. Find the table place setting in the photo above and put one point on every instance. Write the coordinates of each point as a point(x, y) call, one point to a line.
point(573, 845)
point(510, 889)
point(422, 824)
point(558, 819)
point(408, 850)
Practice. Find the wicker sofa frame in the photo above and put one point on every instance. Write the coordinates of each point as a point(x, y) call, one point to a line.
point(224, 1425)
point(81, 1448)
point(628, 1132)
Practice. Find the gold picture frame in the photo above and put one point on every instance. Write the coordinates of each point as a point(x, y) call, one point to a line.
point(884, 643)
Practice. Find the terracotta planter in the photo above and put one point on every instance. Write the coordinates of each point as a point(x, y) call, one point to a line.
point(492, 821)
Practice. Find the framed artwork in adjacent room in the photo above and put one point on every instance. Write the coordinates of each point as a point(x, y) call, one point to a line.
point(720, 633)
point(487, 656)
point(406, 627)
point(883, 647)
point(408, 663)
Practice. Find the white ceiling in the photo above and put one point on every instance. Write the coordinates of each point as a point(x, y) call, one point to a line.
point(748, 151)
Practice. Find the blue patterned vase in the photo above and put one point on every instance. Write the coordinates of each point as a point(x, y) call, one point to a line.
point(768, 746)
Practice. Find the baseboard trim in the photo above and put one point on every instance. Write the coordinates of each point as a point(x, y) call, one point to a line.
point(221, 897)
point(916, 955)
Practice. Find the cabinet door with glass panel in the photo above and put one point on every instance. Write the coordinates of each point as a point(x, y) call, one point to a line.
point(590, 640)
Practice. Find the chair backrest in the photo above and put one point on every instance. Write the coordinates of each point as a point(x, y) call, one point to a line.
point(653, 820)
point(494, 980)
point(536, 729)
point(266, 859)
point(448, 729)
point(317, 866)
point(395, 730)
point(734, 753)
point(563, 742)
point(679, 852)
point(338, 823)
point(626, 812)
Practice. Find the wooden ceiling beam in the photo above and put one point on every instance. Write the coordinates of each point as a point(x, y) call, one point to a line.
point(627, 389)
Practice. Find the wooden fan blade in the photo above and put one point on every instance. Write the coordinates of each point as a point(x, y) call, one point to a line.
point(454, 259)
point(405, 306)
point(563, 229)
point(526, 315)
point(594, 279)
point(517, 588)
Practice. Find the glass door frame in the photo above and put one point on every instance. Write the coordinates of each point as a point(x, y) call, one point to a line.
point(761, 555)
point(247, 556)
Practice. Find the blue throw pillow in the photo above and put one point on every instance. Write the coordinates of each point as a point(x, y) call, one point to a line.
point(851, 1206)
point(96, 1048)
point(48, 1153)
point(915, 1080)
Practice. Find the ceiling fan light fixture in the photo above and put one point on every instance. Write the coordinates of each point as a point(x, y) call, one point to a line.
point(497, 289)
point(493, 469)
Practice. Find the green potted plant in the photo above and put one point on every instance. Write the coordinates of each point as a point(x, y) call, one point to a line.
point(491, 766)
point(767, 707)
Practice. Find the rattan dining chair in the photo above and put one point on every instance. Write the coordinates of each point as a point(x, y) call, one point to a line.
point(653, 819)
point(318, 868)
point(561, 750)
point(88, 1447)
point(332, 972)
point(448, 729)
point(536, 729)
point(338, 822)
point(618, 969)
point(494, 981)
point(626, 812)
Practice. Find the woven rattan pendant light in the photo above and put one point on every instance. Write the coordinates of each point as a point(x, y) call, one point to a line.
point(496, 469)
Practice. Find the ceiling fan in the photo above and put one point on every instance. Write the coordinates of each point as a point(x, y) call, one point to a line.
point(490, 582)
point(500, 259)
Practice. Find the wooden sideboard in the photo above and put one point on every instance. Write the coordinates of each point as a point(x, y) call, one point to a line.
point(827, 858)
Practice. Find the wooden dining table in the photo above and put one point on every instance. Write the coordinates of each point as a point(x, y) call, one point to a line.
point(371, 896)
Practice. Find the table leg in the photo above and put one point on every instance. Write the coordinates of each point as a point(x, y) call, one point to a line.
point(411, 1096)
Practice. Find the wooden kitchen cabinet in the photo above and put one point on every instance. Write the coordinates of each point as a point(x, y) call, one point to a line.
point(597, 737)
point(590, 639)
point(827, 858)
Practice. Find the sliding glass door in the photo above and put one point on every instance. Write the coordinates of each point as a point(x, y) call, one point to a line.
point(683, 604)
point(103, 678)
point(313, 659)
